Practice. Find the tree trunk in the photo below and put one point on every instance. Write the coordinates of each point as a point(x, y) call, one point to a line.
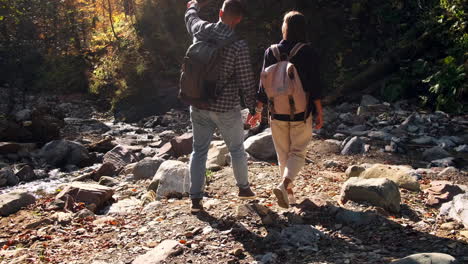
point(110, 19)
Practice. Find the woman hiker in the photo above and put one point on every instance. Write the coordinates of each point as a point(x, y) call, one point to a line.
point(292, 90)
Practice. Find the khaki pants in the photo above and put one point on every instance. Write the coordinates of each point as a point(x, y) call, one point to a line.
point(291, 140)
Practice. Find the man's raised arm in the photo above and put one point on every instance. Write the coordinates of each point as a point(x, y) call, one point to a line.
point(192, 21)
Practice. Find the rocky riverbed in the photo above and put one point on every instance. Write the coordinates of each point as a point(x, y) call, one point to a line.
point(382, 182)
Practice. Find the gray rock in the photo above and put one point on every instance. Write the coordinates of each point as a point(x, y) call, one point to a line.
point(339, 136)
point(300, 235)
point(60, 153)
point(358, 128)
point(12, 202)
point(334, 142)
point(443, 163)
point(147, 168)
point(261, 146)
point(8, 177)
point(372, 110)
point(353, 146)
point(354, 171)
point(427, 258)
point(435, 153)
point(445, 142)
point(462, 148)
point(353, 218)
point(217, 155)
point(26, 174)
point(171, 177)
point(158, 254)
point(23, 115)
point(448, 171)
point(369, 100)
point(380, 135)
point(332, 163)
point(344, 107)
point(403, 176)
point(108, 181)
point(85, 213)
point(379, 192)
point(119, 157)
point(124, 207)
point(457, 209)
point(269, 258)
point(425, 140)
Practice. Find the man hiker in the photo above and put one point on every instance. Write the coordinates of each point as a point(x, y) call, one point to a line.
point(224, 112)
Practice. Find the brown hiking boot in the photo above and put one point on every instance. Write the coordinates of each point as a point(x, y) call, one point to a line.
point(246, 193)
point(197, 205)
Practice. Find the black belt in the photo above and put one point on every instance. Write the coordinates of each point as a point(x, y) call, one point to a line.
point(297, 117)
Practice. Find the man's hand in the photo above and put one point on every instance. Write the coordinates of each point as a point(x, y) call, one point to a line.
point(201, 3)
point(319, 120)
point(191, 2)
point(253, 120)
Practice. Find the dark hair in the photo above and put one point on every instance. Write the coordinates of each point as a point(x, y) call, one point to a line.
point(295, 26)
point(233, 8)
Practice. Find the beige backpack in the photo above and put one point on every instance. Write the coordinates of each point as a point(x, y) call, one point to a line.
point(283, 85)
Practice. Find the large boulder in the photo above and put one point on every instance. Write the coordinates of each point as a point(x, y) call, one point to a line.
point(457, 209)
point(427, 258)
point(435, 153)
point(379, 192)
point(217, 155)
point(8, 177)
point(261, 146)
point(86, 193)
point(401, 175)
point(171, 178)
point(118, 158)
point(146, 168)
point(354, 146)
point(11, 203)
point(60, 153)
point(182, 145)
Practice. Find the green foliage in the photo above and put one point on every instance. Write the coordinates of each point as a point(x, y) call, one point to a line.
point(209, 176)
point(65, 74)
point(447, 85)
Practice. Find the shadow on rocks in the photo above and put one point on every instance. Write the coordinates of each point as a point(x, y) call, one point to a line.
point(308, 233)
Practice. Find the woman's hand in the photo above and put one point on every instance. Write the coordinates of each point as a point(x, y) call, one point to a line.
point(319, 120)
point(252, 120)
point(319, 115)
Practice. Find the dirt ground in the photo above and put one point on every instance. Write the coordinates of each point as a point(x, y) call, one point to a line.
point(223, 235)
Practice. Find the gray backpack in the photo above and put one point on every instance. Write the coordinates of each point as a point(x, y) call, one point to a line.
point(199, 73)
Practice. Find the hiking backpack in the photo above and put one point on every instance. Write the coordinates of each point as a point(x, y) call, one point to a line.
point(283, 85)
point(199, 74)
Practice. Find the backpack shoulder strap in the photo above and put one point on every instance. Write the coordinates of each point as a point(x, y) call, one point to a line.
point(226, 42)
point(276, 52)
point(295, 50)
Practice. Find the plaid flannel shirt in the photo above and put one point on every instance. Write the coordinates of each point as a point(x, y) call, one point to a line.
point(235, 75)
